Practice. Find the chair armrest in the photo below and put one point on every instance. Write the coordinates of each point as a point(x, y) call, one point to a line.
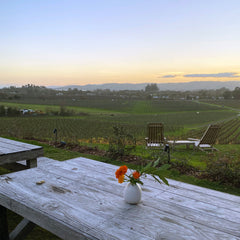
point(193, 139)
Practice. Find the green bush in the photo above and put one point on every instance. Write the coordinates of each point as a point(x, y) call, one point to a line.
point(121, 143)
point(183, 166)
point(224, 168)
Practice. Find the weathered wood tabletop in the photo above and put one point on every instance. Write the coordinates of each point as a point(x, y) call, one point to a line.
point(12, 151)
point(81, 199)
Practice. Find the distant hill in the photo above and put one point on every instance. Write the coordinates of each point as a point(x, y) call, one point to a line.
point(186, 86)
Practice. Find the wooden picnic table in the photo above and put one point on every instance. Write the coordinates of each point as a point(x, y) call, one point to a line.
point(13, 151)
point(81, 199)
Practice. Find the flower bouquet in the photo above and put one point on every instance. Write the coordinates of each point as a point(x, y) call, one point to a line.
point(132, 192)
point(133, 178)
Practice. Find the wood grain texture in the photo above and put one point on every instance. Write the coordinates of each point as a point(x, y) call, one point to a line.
point(81, 199)
point(12, 151)
point(17, 144)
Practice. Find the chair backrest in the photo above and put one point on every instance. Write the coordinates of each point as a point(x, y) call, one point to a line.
point(155, 133)
point(210, 135)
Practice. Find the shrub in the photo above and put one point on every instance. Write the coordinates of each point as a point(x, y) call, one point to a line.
point(224, 168)
point(182, 165)
point(121, 143)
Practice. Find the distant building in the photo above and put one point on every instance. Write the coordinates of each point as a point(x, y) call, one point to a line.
point(27, 111)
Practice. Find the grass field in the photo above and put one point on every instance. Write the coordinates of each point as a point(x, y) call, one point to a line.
point(119, 105)
point(97, 119)
point(233, 103)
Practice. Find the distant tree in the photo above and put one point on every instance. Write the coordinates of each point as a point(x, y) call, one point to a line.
point(236, 93)
point(227, 94)
point(151, 88)
point(12, 112)
point(2, 111)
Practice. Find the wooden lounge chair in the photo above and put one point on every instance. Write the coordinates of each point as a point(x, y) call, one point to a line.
point(207, 141)
point(155, 138)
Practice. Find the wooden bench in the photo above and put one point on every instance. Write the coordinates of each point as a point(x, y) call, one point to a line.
point(13, 151)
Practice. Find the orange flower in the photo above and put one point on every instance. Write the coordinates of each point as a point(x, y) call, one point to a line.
point(121, 178)
point(121, 171)
point(136, 174)
point(124, 168)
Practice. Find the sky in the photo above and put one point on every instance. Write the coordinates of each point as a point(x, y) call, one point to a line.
point(79, 42)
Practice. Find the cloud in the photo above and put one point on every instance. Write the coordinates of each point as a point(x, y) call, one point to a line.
point(216, 75)
point(169, 76)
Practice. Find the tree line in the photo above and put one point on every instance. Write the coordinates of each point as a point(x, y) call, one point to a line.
point(151, 91)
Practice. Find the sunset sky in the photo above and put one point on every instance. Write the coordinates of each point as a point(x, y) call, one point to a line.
point(63, 42)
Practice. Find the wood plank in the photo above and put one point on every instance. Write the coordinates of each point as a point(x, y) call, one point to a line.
point(228, 210)
point(160, 224)
point(194, 192)
point(175, 184)
point(108, 202)
point(109, 169)
point(52, 214)
point(207, 191)
point(122, 216)
point(26, 155)
point(18, 144)
point(8, 148)
point(58, 200)
point(204, 212)
point(13, 151)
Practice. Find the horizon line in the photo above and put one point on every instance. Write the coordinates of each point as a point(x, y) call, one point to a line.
point(117, 83)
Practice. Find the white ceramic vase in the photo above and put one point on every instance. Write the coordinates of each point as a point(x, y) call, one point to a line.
point(132, 193)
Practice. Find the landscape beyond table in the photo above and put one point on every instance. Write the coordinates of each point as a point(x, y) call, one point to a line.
point(13, 151)
point(81, 199)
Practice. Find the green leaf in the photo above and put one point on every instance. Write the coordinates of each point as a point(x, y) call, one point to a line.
point(156, 179)
point(156, 162)
point(164, 180)
point(164, 167)
point(140, 182)
point(148, 165)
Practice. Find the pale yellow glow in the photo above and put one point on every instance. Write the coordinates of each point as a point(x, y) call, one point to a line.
point(95, 42)
point(82, 74)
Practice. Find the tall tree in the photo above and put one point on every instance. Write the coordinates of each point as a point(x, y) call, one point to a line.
point(151, 88)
